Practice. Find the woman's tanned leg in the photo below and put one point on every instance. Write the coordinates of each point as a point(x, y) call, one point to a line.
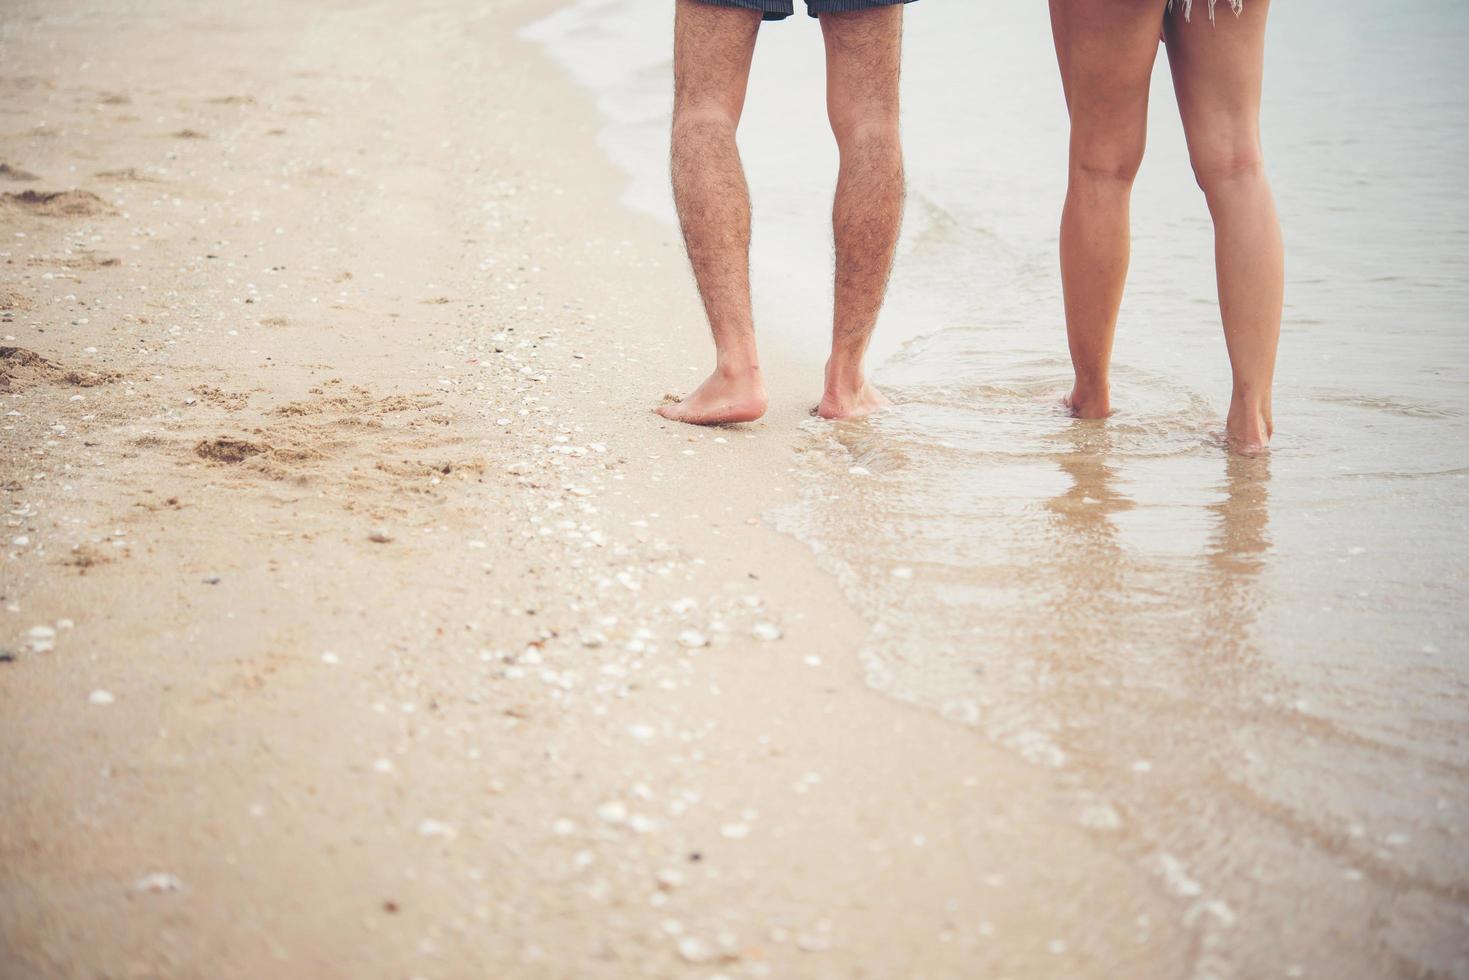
point(1106, 50)
point(1217, 73)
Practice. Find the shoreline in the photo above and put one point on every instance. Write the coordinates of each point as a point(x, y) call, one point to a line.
point(529, 733)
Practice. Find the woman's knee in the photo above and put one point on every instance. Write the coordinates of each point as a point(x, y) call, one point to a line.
point(1225, 160)
point(1113, 158)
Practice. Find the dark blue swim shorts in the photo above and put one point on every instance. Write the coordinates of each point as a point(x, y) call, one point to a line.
point(781, 9)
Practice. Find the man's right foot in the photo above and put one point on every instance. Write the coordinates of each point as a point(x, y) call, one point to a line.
point(856, 403)
point(722, 399)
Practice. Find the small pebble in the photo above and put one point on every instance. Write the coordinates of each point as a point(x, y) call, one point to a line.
point(692, 639)
point(695, 950)
point(157, 883)
point(765, 631)
point(434, 828)
point(613, 811)
point(1100, 816)
point(379, 535)
point(100, 696)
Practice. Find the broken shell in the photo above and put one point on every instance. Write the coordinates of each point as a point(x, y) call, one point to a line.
point(765, 631)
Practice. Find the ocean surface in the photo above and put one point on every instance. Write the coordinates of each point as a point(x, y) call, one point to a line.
point(1250, 675)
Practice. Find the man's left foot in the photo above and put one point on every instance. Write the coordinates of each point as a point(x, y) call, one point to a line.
point(852, 404)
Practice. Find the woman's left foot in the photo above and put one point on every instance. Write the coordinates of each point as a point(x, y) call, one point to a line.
point(1248, 430)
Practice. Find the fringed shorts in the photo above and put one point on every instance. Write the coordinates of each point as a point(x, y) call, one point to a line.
point(1188, 7)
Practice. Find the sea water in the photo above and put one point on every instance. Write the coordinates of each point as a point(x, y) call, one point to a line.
point(1251, 674)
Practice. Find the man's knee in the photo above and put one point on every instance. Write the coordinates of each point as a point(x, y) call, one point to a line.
point(855, 130)
point(702, 121)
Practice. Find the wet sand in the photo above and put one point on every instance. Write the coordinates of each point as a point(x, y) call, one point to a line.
point(360, 620)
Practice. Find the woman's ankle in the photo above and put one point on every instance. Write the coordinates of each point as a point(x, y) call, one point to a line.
point(1090, 398)
point(1250, 425)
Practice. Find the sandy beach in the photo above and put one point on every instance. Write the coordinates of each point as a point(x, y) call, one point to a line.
point(361, 620)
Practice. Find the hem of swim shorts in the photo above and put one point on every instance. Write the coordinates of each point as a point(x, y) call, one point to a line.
point(818, 7)
point(749, 5)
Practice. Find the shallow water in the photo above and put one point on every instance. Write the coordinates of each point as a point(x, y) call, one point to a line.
point(1249, 675)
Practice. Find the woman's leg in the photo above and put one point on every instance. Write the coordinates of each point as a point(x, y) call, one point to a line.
point(1217, 71)
point(1106, 50)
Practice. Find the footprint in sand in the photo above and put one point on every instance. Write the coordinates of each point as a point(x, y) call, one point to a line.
point(7, 172)
point(230, 401)
point(127, 173)
point(57, 204)
point(21, 368)
point(86, 262)
point(228, 449)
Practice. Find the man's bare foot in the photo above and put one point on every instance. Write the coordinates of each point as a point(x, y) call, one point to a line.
point(723, 398)
point(1248, 429)
point(851, 403)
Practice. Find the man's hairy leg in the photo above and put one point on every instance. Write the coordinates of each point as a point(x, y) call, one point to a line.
point(863, 54)
point(713, 47)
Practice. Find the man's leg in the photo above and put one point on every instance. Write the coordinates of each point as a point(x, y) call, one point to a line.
point(1106, 50)
point(1217, 72)
point(712, 49)
point(863, 49)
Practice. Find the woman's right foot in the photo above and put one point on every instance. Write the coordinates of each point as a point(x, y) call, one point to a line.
point(1084, 403)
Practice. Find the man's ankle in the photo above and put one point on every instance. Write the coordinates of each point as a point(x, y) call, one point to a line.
point(737, 368)
point(844, 376)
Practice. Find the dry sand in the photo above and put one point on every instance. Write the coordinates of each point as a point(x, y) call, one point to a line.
point(281, 279)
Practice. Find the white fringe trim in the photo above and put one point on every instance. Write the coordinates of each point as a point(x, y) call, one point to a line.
point(1188, 7)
